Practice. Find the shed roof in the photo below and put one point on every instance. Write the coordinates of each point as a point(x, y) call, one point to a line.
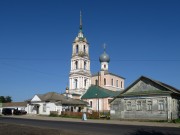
point(95, 91)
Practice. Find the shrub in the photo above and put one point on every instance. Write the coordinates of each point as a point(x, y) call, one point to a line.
point(53, 114)
point(176, 120)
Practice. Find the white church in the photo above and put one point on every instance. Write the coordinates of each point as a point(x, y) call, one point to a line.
point(81, 79)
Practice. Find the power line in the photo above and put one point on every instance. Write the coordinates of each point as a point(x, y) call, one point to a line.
point(114, 60)
point(29, 69)
point(30, 59)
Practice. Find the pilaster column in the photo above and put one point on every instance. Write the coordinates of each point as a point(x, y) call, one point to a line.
point(71, 64)
point(70, 83)
point(78, 82)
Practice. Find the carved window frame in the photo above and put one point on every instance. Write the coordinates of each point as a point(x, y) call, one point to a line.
point(128, 106)
point(161, 105)
point(139, 106)
point(149, 105)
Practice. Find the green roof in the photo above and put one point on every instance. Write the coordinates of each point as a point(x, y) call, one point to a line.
point(95, 91)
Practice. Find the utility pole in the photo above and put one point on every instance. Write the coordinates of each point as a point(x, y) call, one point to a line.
point(98, 95)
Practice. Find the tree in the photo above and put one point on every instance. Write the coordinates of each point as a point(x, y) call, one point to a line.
point(5, 99)
point(8, 99)
point(2, 99)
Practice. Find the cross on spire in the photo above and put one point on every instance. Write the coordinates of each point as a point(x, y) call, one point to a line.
point(104, 47)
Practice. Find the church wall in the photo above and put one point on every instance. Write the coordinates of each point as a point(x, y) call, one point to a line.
point(109, 85)
point(115, 85)
point(103, 104)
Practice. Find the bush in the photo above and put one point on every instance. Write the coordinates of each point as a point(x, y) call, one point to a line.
point(176, 120)
point(53, 114)
point(105, 115)
point(93, 115)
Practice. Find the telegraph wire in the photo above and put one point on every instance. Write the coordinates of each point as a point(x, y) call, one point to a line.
point(112, 60)
point(28, 69)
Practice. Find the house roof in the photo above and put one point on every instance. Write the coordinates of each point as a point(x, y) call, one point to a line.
point(164, 88)
point(95, 91)
point(14, 104)
point(108, 73)
point(59, 98)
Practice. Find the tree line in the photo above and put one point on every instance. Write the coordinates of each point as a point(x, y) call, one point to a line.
point(5, 99)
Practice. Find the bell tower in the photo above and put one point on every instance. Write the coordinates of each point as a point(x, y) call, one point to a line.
point(80, 75)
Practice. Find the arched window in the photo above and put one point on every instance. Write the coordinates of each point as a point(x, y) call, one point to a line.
point(121, 84)
point(104, 66)
point(104, 81)
point(76, 64)
point(77, 49)
point(75, 83)
point(112, 82)
point(96, 82)
point(84, 49)
point(85, 82)
point(85, 65)
point(91, 103)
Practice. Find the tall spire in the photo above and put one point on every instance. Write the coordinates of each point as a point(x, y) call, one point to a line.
point(80, 34)
point(80, 20)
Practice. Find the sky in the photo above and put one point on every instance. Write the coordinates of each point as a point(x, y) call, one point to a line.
point(142, 38)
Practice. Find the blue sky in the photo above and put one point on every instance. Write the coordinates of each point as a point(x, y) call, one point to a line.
point(142, 37)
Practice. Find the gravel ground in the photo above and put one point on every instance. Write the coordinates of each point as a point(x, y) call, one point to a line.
point(13, 129)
